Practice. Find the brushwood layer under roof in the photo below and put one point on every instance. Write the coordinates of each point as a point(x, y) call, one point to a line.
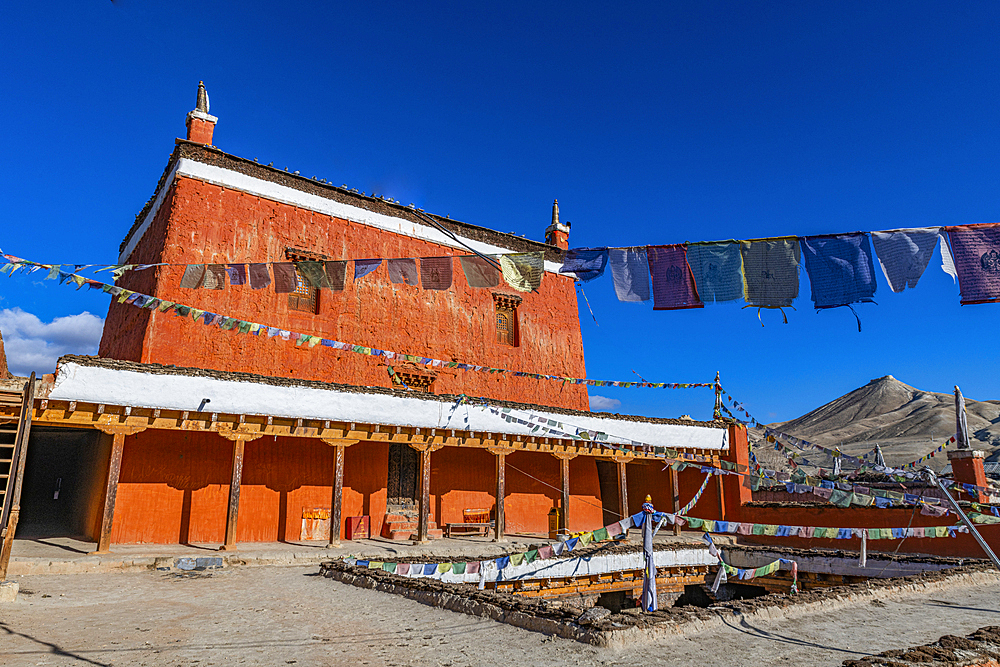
point(213, 157)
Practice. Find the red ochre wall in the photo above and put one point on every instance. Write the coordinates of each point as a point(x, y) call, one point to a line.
point(204, 223)
point(740, 508)
point(174, 487)
point(961, 546)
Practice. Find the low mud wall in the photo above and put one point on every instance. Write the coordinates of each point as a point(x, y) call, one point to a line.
point(601, 627)
point(980, 649)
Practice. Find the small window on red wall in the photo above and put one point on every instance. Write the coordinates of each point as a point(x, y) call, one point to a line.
point(506, 319)
point(305, 296)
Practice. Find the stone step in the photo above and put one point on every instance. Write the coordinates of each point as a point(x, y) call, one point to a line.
point(405, 535)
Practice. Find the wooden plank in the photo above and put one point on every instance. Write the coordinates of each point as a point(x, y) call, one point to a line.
point(59, 413)
point(675, 490)
point(337, 501)
point(622, 488)
point(233, 513)
point(498, 533)
point(424, 502)
point(111, 493)
point(564, 519)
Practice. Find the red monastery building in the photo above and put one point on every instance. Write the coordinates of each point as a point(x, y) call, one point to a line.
point(195, 433)
point(213, 208)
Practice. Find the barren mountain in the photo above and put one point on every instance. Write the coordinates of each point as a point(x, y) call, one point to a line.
point(906, 422)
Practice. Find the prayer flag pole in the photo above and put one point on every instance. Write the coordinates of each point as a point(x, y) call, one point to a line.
point(717, 412)
point(649, 572)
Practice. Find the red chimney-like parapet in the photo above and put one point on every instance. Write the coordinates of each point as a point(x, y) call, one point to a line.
point(201, 124)
point(557, 234)
point(967, 468)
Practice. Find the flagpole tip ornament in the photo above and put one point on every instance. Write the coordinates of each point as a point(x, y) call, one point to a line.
point(557, 233)
point(200, 123)
point(202, 103)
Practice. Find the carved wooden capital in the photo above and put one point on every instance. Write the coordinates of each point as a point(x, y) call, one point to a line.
point(239, 434)
point(340, 442)
point(499, 449)
point(119, 429)
point(564, 456)
point(425, 446)
point(622, 458)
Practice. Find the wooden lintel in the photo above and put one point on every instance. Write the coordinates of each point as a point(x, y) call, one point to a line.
point(93, 415)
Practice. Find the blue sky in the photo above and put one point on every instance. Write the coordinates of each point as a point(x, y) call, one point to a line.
point(655, 123)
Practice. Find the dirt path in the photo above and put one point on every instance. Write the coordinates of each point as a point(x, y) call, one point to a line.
point(278, 616)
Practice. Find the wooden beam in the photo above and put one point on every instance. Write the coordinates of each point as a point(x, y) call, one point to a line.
point(239, 438)
point(499, 524)
point(118, 433)
point(337, 496)
point(337, 493)
point(424, 495)
point(90, 415)
point(621, 462)
point(676, 493)
point(564, 459)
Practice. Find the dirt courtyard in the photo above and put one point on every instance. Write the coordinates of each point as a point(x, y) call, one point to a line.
point(292, 616)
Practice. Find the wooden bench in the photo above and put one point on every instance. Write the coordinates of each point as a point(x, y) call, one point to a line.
point(474, 522)
point(468, 528)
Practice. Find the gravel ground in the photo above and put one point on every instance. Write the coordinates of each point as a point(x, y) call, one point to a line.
point(290, 615)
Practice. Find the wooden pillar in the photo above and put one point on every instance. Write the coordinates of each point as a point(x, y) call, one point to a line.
point(239, 439)
point(564, 459)
point(622, 461)
point(675, 491)
point(424, 494)
point(118, 431)
point(337, 492)
point(500, 523)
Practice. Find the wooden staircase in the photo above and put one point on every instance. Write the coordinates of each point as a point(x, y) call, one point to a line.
point(13, 451)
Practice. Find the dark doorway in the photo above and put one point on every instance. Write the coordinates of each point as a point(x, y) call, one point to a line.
point(64, 479)
point(402, 484)
point(607, 478)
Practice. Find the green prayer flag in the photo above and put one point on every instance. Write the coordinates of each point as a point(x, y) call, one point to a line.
point(863, 500)
point(458, 568)
point(758, 529)
point(531, 555)
point(600, 535)
point(389, 567)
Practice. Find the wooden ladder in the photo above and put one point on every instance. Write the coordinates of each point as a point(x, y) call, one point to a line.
point(13, 452)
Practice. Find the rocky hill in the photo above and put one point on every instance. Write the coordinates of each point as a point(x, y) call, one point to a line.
point(906, 422)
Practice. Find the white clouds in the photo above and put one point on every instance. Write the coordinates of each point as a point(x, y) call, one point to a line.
point(603, 403)
point(33, 345)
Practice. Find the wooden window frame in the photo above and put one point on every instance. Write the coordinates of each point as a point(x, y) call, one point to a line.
point(505, 306)
point(305, 297)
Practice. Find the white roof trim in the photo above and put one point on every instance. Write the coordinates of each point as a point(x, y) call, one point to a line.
point(95, 384)
point(282, 193)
